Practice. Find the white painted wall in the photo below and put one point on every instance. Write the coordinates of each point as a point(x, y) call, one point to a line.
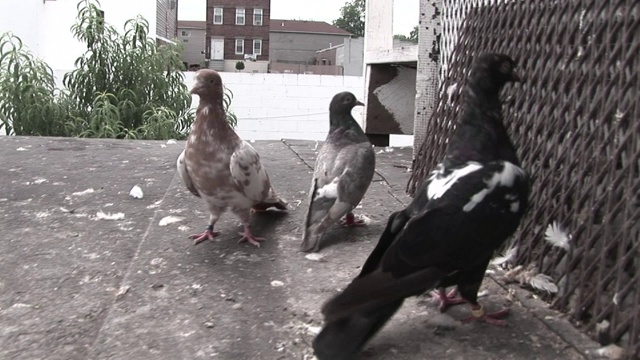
point(249, 66)
point(290, 106)
point(285, 106)
point(45, 26)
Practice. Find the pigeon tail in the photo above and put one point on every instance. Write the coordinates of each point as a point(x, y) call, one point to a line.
point(344, 338)
point(379, 289)
point(311, 241)
point(313, 234)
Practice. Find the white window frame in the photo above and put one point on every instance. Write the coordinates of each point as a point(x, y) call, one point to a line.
point(257, 12)
point(185, 33)
point(257, 41)
point(215, 9)
point(241, 42)
point(241, 14)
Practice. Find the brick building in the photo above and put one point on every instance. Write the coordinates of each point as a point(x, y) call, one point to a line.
point(238, 30)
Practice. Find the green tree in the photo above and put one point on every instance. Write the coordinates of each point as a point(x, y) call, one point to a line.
point(124, 86)
point(413, 36)
point(352, 17)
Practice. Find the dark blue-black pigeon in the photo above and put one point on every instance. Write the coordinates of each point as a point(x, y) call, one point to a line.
point(344, 169)
point(470, 204)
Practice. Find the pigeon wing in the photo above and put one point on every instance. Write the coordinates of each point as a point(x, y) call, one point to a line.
point(184, 174)
point(359, 164)
point(249, 174)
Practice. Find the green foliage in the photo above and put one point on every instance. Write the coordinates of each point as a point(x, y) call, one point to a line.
point(232, 119)
point(124, 86)
point(27, 91)
point(413, 36)
point(240, 65)
point(352, 17)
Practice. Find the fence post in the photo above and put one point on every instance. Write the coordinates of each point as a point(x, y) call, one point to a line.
point(429, 59)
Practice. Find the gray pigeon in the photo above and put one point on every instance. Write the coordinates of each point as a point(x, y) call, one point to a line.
point(344, 169)
point(221, 168)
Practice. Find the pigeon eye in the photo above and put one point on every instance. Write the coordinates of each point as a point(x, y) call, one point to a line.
point(505, 67)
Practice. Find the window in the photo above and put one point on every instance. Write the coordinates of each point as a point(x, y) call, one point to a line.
point(257, 46)
point(239, 46)
point(239, 16)
point(185, 33)
point(217, 16)
point(257, 17)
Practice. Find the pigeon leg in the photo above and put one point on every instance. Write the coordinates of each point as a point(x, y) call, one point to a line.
point(350, 220)
point(447, 300)
point(207, 234)
point(478, 314)
point(248, 236)
point(469, 292)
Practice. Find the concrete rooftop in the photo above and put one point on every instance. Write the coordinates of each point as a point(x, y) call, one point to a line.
point(73, 286)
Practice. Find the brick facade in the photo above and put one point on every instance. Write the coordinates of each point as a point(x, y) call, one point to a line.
point(230, 31)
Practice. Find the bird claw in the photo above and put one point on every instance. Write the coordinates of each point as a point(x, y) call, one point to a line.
point(447, 299)
point(205, 235)
point(248, 236)
point(351, 220)
point(489, 318)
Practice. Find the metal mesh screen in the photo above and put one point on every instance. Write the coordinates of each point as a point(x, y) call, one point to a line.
point(575, 122)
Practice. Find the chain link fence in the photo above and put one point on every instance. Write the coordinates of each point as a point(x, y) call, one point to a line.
point(575, 122)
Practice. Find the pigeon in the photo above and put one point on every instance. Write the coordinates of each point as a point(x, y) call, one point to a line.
point(343, 172)
point(219, 167)
point(470, 204)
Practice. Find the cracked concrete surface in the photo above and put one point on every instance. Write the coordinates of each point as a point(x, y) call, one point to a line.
point(74, 286)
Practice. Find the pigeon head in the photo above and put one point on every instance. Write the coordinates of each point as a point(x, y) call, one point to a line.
point(208, 84)
point(495, 70)
point(343, 103)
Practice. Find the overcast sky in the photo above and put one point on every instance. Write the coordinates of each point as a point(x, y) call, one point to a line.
point(405, 12)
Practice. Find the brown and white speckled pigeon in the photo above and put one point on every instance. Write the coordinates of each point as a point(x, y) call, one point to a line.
point(344, 169)
point(221, 168)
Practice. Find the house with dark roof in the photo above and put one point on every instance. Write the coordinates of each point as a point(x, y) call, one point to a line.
point(294, 43)
point(192, 34)
point(238, 30)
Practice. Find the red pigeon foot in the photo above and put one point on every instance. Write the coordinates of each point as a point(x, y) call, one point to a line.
point(447, 300)
point(208, 234)
point(490, 318)
point(351, 221)
point(248, 236)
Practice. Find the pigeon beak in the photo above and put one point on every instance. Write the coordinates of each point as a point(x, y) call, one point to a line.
point(196, 87)
point(358, 102)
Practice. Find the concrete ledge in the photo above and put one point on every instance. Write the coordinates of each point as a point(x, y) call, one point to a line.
point(74, 286)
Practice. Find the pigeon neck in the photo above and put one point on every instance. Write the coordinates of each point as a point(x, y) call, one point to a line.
point(483, 93)
point(210, 116)
point(480, 134)
point(337, 120)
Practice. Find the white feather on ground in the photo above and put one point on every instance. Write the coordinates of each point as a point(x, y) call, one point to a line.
point(556, 236)
point(611, 351)
point(100, 215)
point(508, 256)
point(544, 283)
point(85, 192)
point(169, 220)
point(136, 192)
point(532, 278)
